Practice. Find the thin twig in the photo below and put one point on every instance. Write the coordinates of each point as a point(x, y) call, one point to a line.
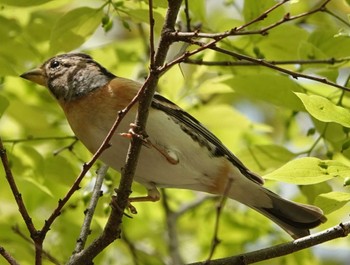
point(341, 230)
point(219, 208)
point(326, 10)
point(262, 16)
point(132, 248)
point(68, 147)
point(46, 254)
point(18, 197)
point(238, 31)
point(186, 207)
point(262, 62)
point(7, 256)
point(32, 139)
point(173, 240)
point(151, 35)
point(89, 212)
point(187, 15)
point(331, 61)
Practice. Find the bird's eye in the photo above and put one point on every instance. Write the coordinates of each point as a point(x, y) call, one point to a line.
point(54, 64)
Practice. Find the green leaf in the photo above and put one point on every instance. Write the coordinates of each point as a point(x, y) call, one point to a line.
point(312, 191)
point(330, 42)
point(325, 110)
point(309, 170)
point(264, 157)
point(3, 105)
point(253, 9)
point(284, 47)
point(332, 201)
point(40, 186)
point(275, 89)
point(59, 169)
point(23, 2)
point(142, 15)
point(73, 28)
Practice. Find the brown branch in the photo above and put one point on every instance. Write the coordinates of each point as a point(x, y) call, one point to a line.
point(17, 195)
point(32, 139)
point(219, 208)
point(341, 230)
point(336, 16)
point(7, 256)
point(238, 56)
point(330, 61)
point(151, 35)
point(293, 74)
point(262, 16)
point(288, 18)
point(47, 255)
point(238, 31)
point(187, 15)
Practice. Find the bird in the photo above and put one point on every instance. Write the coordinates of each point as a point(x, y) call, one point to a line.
point(179, 152)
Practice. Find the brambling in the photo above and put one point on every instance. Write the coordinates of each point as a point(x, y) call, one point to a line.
point(180, 152)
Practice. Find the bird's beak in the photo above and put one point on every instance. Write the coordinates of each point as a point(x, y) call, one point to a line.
point(36, 75)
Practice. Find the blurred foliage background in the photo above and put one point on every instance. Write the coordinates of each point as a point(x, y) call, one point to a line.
point(289, 130)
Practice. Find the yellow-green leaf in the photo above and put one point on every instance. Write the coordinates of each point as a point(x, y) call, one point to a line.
point(3, 105)
point(332, 201)
point(23, 2)
point(73, 28)
point(324, 110)
point(309, 170)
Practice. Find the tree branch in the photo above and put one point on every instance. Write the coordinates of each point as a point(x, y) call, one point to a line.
point(17, 195)
point(341, 230)
point(330, 61)
point(89, 212)
point(220, 206)
point(173, 241)
point(239, 31)
point(7, 256)
point(45, 254)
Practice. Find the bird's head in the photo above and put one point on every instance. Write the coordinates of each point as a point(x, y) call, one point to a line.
point(70, 76)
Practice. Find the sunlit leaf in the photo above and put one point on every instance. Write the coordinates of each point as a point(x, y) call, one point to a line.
point(23, 2)
point(309, 170)
point(332, 201)
point(57, 168)
point(3, 105)
point(73, 28)
point(275, 89)
point(40, 186)
point(265, 157)
point(325, 110)
point(142, 15)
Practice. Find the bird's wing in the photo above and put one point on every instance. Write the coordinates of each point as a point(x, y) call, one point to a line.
point(189, 124)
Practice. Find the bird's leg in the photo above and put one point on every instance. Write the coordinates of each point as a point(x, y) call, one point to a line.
point(131, 133)
point(153, 195)
point(166, 152)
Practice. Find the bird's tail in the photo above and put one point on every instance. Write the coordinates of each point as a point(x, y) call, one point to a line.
point(295, 218)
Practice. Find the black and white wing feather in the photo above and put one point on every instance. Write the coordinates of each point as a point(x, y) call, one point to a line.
point(202, 135)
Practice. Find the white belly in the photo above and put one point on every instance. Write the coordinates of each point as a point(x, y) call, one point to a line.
point(194, 170)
